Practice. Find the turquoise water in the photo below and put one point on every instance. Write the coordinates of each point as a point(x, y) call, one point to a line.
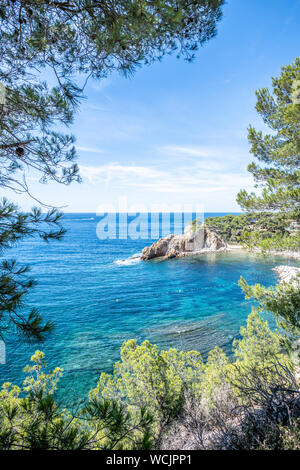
point(97, 301)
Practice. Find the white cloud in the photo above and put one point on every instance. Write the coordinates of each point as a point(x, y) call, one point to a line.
point(210, 176)
point(89, 149)
point(116, 171)
point(188, 151)
point(193, 178)
point(185, 184)
point(99, 85)
point(225, 154)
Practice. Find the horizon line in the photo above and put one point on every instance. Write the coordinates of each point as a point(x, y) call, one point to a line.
point(155, 212)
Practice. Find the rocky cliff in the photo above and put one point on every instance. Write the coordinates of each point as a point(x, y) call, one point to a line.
point(191, 242)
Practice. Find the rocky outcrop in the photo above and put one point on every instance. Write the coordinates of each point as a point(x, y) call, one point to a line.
point(288, 274)
point(191, 242)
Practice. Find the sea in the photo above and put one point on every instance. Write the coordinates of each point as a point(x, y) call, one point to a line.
point(99, 294)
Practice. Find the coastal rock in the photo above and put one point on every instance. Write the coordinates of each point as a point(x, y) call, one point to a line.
point(192, 241)
point(288, 274)
point(158, 249)
point(213, 241)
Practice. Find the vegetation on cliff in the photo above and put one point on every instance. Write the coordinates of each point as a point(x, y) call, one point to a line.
point(238, 228)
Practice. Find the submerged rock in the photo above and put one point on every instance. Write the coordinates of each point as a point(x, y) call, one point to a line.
point(191, 242)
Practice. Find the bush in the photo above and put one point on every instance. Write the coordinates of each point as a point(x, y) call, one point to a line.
point(30, 418)
point(164, 399)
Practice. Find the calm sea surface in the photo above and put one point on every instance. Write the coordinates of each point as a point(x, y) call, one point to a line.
point(99, 298)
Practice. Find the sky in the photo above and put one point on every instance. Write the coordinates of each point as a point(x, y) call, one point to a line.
point(176, 133)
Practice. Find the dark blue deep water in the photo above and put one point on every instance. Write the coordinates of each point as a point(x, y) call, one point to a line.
point(98, 301)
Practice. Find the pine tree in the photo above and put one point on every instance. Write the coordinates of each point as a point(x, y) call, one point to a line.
point(70, 42)
point(278, 152)
point(73, 41)
point(30, 418)
point(16, 225)
point(279, 175)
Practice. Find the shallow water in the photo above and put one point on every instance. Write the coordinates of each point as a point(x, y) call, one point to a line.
point(98, 300)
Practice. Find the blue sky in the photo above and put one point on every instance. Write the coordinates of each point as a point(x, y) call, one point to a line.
point(175, 132)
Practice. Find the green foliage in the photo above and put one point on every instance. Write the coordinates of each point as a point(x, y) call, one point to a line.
point(16, 226)
point(281, 243)
point(73, 42)
point(279, 176)
point(30, 419)
point(216, 372)
point(229, 227)
point(277, 152)
point(283, 301)
point(147, 377)
point(135, 406)
point(264, 243)
point(259, 345)
point(160, 380)
point(250, 228)
point(258, 352)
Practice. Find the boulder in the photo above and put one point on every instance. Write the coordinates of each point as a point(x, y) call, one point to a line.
point(157, 249)
point(192, 241)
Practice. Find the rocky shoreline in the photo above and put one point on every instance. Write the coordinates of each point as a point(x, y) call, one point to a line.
point(286, 254)
point(200, 240)
point(288, 274)
point(195, 241)
point(191, 242)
